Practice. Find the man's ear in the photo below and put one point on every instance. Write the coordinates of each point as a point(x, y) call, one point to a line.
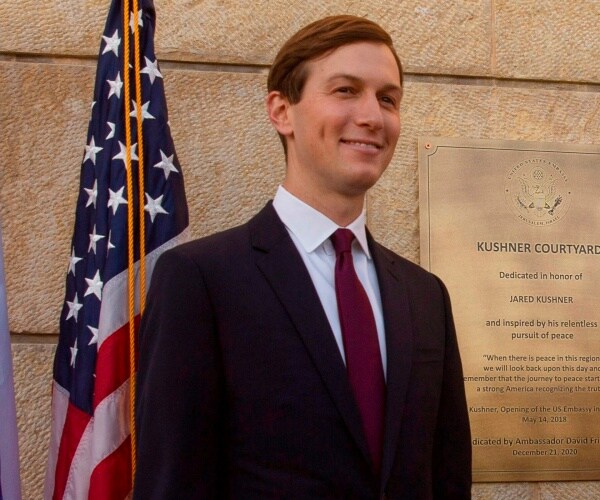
point(278, 110)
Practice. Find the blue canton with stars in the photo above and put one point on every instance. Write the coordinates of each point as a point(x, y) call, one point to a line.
point(99, 245)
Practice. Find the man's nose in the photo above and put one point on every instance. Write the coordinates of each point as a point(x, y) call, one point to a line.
point(368, 112)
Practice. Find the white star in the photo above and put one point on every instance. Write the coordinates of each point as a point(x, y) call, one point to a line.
point(154, 207)
point(116, 199)
point(121, 155)
point(94, 238)
point(92, 194)
point(90, 151)
point(112, 43)
point(74, 308)
point(73, 353)
point(94, 339)
point(140, 20)
point(111, 134)
point(166, 164)
point(145, 112)
point(151, 69)
point(115, 86)
point(94, 286)
point(72, 261)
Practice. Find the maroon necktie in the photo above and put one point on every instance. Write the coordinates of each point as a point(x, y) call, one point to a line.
point(361, 345)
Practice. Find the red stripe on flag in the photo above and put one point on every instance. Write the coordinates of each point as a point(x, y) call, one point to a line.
point(112, 363)
point(112, 477)
point(75, 425)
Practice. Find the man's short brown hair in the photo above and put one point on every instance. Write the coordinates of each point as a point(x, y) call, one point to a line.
point(288, 73)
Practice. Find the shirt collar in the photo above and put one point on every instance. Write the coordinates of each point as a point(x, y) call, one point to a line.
point(310, 226)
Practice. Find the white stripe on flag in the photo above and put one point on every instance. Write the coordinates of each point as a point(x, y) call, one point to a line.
point(113, 311)
point(104, 434)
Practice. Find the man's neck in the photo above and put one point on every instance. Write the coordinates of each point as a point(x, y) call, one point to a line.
point(340, 209)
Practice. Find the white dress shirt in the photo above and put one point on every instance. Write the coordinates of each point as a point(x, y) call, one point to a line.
point(310, 231)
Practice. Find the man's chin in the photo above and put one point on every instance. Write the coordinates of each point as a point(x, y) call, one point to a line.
point(359, 187)
point(366, 177)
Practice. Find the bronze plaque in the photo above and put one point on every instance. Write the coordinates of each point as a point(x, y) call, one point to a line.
point(513, 229)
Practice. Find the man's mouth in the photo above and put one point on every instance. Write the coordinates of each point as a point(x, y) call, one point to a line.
point(369, 145)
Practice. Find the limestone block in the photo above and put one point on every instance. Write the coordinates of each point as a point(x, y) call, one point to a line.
point(44, 112)
point(529, 113)
point(568, 491)
point(548, 40)
point(431, 36)
point(62, 27)
point(505, 491)
point(231, 158)
point(32, 365)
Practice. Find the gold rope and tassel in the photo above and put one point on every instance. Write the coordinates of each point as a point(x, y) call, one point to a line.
point(130, 205)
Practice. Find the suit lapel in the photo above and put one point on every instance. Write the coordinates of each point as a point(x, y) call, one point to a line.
point(282, 266)
point(399, 344)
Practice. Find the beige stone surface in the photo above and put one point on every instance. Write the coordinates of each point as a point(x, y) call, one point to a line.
point(505, 491)
point(231, 157)
point(439, 36)
point(536, 491)
point(33, 378)
point(61, 27)
point(43, 117)
point(529, 39)
point(431, 36)
point(569, 491)
point(548, 39)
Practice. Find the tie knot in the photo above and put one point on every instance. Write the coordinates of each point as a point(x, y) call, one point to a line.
point(342, 240)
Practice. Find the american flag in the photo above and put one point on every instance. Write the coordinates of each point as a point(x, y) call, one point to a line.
point(90, 448)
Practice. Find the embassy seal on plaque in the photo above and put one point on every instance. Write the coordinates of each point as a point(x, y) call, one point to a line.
point(513, 229)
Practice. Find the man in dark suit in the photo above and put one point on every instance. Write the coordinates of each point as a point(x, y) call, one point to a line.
point(294, 356)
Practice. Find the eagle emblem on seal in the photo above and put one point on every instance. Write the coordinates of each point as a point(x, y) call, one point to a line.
point(538, 194)
point(537, 190)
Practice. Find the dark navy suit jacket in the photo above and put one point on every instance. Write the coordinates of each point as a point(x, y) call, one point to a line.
point(242, 391)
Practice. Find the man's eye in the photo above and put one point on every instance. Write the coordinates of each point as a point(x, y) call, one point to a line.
point(344, 90)
point(388, 100)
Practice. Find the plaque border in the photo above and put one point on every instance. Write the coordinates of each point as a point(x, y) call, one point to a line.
point(428, 147)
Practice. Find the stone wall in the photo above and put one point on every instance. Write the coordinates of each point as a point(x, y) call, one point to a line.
point(497, 69)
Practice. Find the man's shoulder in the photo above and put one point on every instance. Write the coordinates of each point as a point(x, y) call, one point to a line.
point(228, 242)
point(388, 255)
point(225, 240)
point(207, 250)
point(409, 272)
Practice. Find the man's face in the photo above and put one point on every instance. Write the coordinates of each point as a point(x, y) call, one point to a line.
point(343, 131)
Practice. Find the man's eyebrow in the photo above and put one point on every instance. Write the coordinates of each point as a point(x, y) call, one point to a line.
point(346, 76)
point(392, 87)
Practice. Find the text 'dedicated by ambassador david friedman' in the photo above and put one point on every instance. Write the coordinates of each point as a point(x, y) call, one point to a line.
point(513, 229)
